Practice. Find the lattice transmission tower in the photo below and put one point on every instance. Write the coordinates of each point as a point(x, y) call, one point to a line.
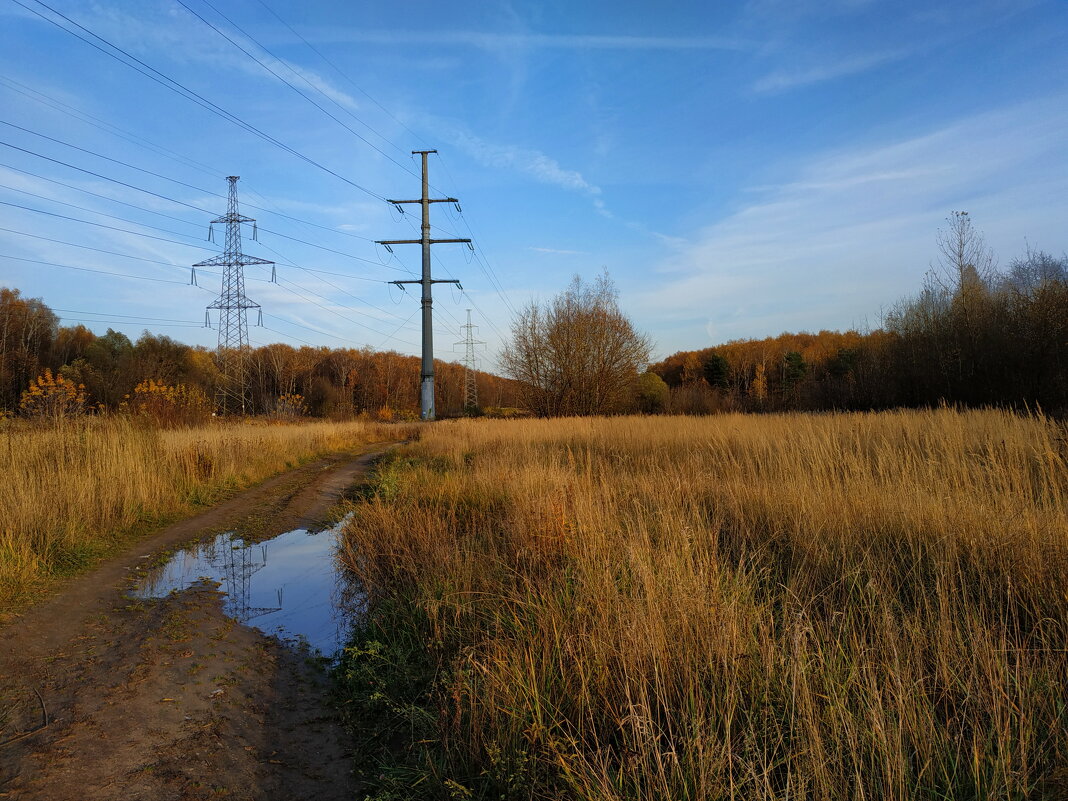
point(232, 396)
point(470, 364)
point(238, 566)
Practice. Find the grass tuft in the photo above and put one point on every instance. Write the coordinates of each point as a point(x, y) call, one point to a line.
point(70, 494)
point(745, 607)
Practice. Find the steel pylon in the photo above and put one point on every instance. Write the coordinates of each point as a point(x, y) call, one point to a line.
point(232, 395)
point(470, 364)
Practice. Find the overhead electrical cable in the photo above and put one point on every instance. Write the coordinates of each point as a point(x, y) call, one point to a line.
point(338, 70)
point(159, 149)
point(99, 250)
point(101, 213)
point(101, 225)
point(374, 262)
point(127, 316)
point(82, 116)
point(287, 83)
point(90, 270)
point(110, 323)
point(140, 66)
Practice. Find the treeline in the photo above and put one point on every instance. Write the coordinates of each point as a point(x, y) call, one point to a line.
point(329, 382)
point(975, 335)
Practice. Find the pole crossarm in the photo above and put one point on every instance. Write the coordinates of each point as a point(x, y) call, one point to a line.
point(428, 200)
point(432, 281)
point(416, 242)
point(225, 261)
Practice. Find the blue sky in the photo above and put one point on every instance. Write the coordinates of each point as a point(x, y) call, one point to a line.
point(741, 169)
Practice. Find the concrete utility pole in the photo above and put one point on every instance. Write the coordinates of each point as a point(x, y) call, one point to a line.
point(470, 382)
point(426, 381)
point(233, 394)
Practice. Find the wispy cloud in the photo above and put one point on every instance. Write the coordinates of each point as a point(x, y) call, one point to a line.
point(783, 80)
point(557, 251)
point(488, 40)
point(536, 164)
point(174, 31)
point(855, 229)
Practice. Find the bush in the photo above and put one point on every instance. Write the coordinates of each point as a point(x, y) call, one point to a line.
point(169, 406)
point(53, 398)
point(289, 406)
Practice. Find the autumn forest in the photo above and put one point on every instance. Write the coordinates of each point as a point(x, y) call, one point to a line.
point(975, 334)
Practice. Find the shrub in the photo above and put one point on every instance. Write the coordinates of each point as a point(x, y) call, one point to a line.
point(289, 406)
point(52, 397)
point(169, 406)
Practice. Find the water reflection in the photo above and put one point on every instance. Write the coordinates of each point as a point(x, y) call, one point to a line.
point(290, 585)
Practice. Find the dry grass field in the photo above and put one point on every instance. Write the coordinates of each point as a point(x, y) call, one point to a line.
point(67, 491)
point(861, 606)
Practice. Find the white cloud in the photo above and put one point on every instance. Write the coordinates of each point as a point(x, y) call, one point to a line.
point(854, 231)
point(558, 251)
point(782, 80)
point(529, 161)
point(170, 29)
point(508, 41)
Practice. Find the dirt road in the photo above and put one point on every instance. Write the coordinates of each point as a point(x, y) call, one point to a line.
point(171, 699)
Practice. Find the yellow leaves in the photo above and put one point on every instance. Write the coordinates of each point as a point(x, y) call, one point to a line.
point(53, 396)
point(290, 405)
point(169, 405)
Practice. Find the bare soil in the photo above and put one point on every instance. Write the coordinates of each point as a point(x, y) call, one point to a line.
point(102, 697)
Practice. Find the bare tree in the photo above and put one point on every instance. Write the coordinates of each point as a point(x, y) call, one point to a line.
point(577, 355)
point(965, 259)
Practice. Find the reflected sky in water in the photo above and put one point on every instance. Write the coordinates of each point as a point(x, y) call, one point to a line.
point(290, 585)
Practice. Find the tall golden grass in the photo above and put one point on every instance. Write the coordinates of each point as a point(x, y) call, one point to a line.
point(861, 606)
point(66, 491)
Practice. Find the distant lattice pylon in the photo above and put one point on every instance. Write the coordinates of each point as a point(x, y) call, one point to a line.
point(233, 396)
point(470, 364)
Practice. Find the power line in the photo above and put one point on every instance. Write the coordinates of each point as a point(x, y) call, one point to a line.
point(93, 194)
point(282, 283)
point(128, 136)
point(338, 70)
point(136, 233)
point(101, 213)
point(109, 158)
point(334, 286)
point(287, 83)
point(129, 323)
point(486, 268)
point(398, 328)
point(87, 247)
point(181, 202)
point(82, 116)
point(101, 225)
point(182, 90)
point(128, 316)
point(89, 270)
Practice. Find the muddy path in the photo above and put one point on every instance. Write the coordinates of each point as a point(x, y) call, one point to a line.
point(102, 697)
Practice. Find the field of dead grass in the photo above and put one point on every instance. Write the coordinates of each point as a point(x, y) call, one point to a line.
point(862, 606)
point(66, 491)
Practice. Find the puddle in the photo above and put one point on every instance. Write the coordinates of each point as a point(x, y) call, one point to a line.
point(289, 586)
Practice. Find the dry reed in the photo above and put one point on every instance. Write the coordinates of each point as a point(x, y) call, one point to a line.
point(867, 606)
point(66, 491)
